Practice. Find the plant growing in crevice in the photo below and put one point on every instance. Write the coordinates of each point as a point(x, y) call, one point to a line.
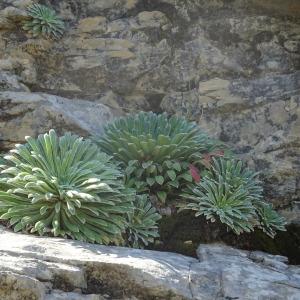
point(43, 21)
point(156, 151)
point(269, 220)
point(142, 223)
point(64, 186)
point(233, 194)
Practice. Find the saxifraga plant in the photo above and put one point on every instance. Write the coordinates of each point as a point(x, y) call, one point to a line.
point(64, 186)
point(142, 226)
point(155, 151)
point(233, 194)
point(269, 219)
point(43, 21)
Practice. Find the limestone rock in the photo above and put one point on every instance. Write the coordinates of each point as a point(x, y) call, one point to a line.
point(11, 16)
point(261, 127)
point(11, 82)
point(92, 24)
point(21, 4)
point(19, 287)
point(14, 13)
point(23, 114)
point(55, 269)
point(236, 274)
point(93, 269)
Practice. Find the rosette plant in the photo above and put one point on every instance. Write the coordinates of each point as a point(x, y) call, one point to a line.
point(142, 223)
point(232, 194)
point(155, 151)
point(43, 21)
point(64, 186)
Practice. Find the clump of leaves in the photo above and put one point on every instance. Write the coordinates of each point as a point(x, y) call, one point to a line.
point(269, 220)
point(43, 21)
point(142, 227)
point(64, 186)
point(160, 179)
point(155, 151)
point(233, 194)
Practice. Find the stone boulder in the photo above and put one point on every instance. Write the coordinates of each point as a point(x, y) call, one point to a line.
point(39, 268)
point(29, 114)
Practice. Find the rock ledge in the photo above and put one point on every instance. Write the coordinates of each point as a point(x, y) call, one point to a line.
point(56, 269)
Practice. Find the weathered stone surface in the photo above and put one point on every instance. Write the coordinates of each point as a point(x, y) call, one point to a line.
point(55, 269)
point(263, 128)
point(23, 114)
point(11, 83)
point(71, 265)
point(237, 274)
point(10, 16)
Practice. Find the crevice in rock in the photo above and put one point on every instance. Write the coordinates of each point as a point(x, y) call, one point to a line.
point(190, 279)
point(220, 294)
point(175, 231)
point(288, 284)
point(154, 101)
point(61, 282)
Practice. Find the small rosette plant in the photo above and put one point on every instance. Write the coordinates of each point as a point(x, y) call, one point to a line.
point(43, 21)
point(64, 186)
point(155, 151)
point(142, 226)
point(232, 194)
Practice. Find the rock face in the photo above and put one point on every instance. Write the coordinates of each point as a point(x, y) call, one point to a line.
point(234, 274)
point(232, 66)
point(24, 114)
point(35, 268)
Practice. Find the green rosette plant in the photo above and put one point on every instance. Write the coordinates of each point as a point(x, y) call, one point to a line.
point(142, 226)
point(43, 21)
point(155, 151)
point(161, 180)
point(269, 220)
point(64, 186)
point(232, 194)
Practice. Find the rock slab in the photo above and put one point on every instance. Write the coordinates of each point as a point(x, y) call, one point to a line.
point(23, 114)
point(39, 268)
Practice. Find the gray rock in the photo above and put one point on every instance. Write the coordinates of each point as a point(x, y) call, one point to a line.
point(20, 287)
point(94, 269)
point(11, 82)
point(227, 273)
point(11, 16)
point(29, 114)
point(59, 295)
point(55, 269)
